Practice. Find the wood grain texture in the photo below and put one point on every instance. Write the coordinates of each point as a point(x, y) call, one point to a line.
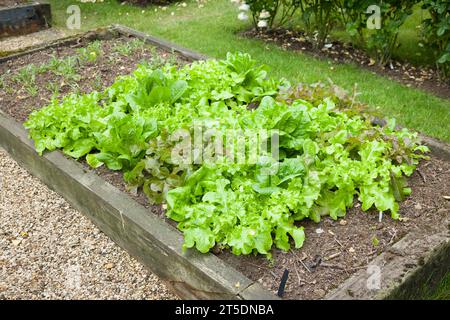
point(24, 19)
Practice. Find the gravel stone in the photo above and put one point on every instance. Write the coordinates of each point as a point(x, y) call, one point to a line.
point(12, 44)
point(49, 250)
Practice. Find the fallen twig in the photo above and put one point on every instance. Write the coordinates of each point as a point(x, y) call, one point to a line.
point(339, 243)
point(301, 261)
point(332, 256)
point(330, 265)
point(421, 175)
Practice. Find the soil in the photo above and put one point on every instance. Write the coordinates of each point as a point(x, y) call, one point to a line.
point(422, 77)
point(333, 251)
point(12, 3)
point(93, 76)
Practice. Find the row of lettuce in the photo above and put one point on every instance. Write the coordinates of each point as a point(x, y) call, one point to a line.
point(371, 24)
point(329, 154)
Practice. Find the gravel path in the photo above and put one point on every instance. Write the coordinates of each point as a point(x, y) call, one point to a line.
point(30, 40)
point(48, 250)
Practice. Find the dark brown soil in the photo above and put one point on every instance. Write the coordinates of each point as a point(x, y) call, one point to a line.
point(333, 251)
point(425, 78)
point(347, 245)
point(12, 3)
point(17, 102)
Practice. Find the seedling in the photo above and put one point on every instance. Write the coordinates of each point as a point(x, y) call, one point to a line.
point(53, 87)
point(129, 47)
point(27, 78)
point(90, 53)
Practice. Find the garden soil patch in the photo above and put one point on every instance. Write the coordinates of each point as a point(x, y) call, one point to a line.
point(423, 77)
point(96, 75)
point(333, 250)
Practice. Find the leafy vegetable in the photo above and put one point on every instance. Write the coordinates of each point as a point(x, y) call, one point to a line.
point(321, 153)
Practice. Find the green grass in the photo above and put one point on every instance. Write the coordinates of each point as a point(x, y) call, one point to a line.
point(443, 291)
point(212, 30)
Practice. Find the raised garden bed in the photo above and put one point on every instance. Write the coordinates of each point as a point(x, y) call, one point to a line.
point(23, 17)
point(332, 263)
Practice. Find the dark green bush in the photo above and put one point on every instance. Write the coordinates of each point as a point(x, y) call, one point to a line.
point(354, 18)
point(280, 11)
point(384, 41)
point(437, 32)
point(381, 42)
point(319, 17)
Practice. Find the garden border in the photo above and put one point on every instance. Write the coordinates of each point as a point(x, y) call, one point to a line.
point(24, 19)
point(157, 244)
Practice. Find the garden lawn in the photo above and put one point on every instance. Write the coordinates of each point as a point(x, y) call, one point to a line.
point(443, 291)
point(440, 292)
point(212, 29)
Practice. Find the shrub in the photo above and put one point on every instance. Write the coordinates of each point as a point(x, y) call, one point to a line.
point(437, 32)
point(266, 13)
point(319, 17)
point(383, 41)
point(354, 18)
point(380, 42)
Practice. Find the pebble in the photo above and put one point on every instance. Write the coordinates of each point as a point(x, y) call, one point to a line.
point(48, 250)
point(319, 292)
point(319, 230)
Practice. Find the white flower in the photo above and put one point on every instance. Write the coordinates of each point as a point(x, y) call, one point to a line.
point(244, 7)
point(262, 23)
point(264, 14)
point(242, 16)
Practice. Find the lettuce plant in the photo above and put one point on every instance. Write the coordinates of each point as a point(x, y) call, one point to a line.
point(327, 154)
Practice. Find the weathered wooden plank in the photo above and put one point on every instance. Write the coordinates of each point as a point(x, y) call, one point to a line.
point(24, 19)
point(438, 148)
point(428, 271)
point(169, 46)
point(399, 272)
